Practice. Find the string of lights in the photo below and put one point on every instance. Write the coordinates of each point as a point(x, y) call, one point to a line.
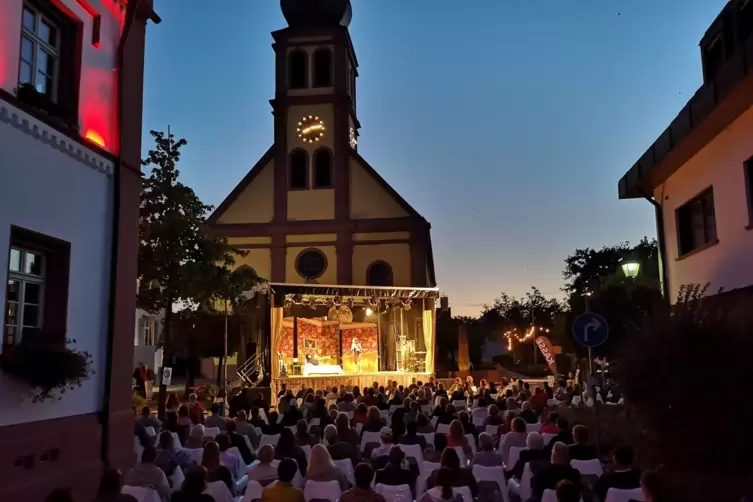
point(509, 335)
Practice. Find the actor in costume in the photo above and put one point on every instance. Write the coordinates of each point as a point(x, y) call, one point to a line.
point(356, 348)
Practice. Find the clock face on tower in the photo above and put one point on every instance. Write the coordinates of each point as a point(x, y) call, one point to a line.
point(310, 129)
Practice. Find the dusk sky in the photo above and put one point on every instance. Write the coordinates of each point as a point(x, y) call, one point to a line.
point(505, 123)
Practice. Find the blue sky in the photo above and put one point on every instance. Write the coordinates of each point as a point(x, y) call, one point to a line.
point(506, 123)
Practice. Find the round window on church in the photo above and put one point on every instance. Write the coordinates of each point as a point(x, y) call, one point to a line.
point(311, 264)
point(310, 129)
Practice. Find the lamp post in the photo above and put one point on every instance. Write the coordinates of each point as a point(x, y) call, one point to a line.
point(630, 268)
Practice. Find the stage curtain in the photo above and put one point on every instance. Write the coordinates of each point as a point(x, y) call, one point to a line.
point(428, 323)
point(276, 325)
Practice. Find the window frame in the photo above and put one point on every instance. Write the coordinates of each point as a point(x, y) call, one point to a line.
point(682, 252)
point(315, 67)
point(330, 167)
point(307, 251)
point(306, 76)
point(307, 169)
point(38, 44)
point(24, 279)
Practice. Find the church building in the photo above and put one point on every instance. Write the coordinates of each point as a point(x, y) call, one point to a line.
point(312, 212)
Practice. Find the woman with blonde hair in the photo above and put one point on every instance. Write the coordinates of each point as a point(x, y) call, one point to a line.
point(264, 472)
point(456, 437)
point(196, 437)
point(210, 460)
point(323, 468)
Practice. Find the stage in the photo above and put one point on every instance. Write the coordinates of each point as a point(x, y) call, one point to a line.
point(363, 380)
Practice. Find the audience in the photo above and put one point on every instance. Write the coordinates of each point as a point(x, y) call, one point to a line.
point(110, 485)
point(564, 435)
point(339, 450)
point(148, 475)
point(423, 426)
point(256, 419)
point(302, 436)
point(323, 468)
point(556, 471)
point(215, 420)
point(435, 455)
point(468, 427)
point(550, 426)
point(517, 437)
point(567, 491)
point(387, 439)
point(506, 427)
point(456, 437)
point(344, 432)
point(246, 428)
point(374, 421)
point(283, 490)
point(192, 489)
point(458, 476)
point(169, 457)
point(264, 472)
point(487, 455)
point(147, 420)
point(292, 415)
point(362, 492)
point(579, 450)
point(362, 414)
point(443, 491)
point(622, 476)
point(493, 417)
point(528, 414)
point(396, 473)
point(286, 448)
point(536, 454)
point(273, 427)
point(195, 437)
point(210, 461)
point(238, 441)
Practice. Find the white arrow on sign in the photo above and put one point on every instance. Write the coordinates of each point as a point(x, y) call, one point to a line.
point(591, 326)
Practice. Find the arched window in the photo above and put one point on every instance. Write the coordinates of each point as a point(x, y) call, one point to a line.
point(311, 264)
point(299, 170)
point(323, 168)
point(379, 273)
point(323, 67)
point(298, 69)
point(248, 269)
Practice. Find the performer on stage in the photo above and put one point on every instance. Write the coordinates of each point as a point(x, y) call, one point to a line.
point(311, 359)
point(356, 348)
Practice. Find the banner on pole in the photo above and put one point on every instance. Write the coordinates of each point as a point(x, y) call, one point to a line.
point(545, 346)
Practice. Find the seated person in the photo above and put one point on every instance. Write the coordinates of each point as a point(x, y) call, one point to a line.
point(622, 476)
point(302, 436)
point(387, 441)
point(169, 457)
point(272, 427)
point(238, 441)
point(147, 420)
point(411, 436)
point(211, 461)
point(459, 476)
point(487, 454)
point(567, 491)
point(148, 475)
point(264, 472)
point(563, 436)
point(292, 415)
point(448, 416)
point(195, 437)
point(362, 413)
point(529, 414)
point(468, 427)
point(555, 472)
point(339, 450)
point(283, 490)
point(423, 426)
point(192, 489)
point(579, 450)
point(362, 492)
point(374, 422)
point(256, 419)
point(322, 468)
point(435, 454)
point(443, 491)
point(394, 473)
point(286, 448)
point(493, 417)
point(311, 359)
point(536, 454)
point(215, 420)
point(550, 426)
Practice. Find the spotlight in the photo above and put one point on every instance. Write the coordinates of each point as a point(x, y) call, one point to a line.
point(368, 312)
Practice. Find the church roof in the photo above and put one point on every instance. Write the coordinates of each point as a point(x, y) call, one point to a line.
point(316, 13)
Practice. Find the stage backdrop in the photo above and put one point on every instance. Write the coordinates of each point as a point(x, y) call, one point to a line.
point(322, 338)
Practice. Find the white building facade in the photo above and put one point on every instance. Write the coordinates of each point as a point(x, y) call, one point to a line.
point(699, 173)
point(71, 74)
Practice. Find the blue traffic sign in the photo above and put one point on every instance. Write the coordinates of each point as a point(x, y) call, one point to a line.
point(590, 329)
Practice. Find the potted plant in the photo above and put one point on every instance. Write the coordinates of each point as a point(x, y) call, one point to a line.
point(48, 369)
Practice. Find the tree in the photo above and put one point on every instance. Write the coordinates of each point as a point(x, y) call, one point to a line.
point(178, 260)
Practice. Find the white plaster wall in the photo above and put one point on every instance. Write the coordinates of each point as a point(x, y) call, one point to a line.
point(66, 195)
point(98, 90)
point(728, 264)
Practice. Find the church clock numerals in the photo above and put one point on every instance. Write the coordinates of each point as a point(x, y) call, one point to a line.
point(310, 129)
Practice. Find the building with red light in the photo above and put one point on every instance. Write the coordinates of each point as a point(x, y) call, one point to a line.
point(71, 81)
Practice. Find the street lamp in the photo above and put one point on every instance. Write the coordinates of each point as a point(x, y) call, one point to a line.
point(631, 268)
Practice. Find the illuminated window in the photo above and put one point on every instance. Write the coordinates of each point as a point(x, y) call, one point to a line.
point(311, 264)
point(298, 69)
point(40, 52)
point(299, 170)
point(323, 67)
point(379, 273)
point(23, 303)
point(323, 168)
point(696, 223)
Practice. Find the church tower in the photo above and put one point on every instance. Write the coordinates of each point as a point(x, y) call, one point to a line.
point(312, 210)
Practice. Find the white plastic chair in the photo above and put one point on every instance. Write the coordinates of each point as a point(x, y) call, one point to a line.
point(141, 494)
point(424, 471)
point(460, 404)
point(465, 492)
point(617, 495)
point(588, 467)
point(576, 401)
point(138, 449)
point(400, 493)
point(522, 487)
point(547, 437)
point(427, 409)
point(150, 430)
point(211, 432)
point(478, 420)
point(493, 396)
point(307, 450)
point(346, 466)
point(549, 496)
point(269, 439)
point(327, 490)
point(443, 429)
point(314, 423)
point(552, 402)
point(494, 475)
point(429, 437)
point(258, 431)
point(533, 428)
point(177, 478)
point(471, 443)
point(176, 441)
point(195, 454)
point(384, 414)
point(434, 421)
point(461, 455)
point(413, 451)
point(493, 430)
point(253, 492)
point(351, 414)
point(359, 428)
point(393, 408)
point(370, 437)
point(292, 428)
point(513, 456)
point(219, 492)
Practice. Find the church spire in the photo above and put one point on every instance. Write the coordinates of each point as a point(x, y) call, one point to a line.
point(316, 13)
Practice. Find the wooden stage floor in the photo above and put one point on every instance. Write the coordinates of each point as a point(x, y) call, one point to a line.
point(363, 380)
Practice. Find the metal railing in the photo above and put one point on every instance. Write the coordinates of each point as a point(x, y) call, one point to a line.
point(252, 365)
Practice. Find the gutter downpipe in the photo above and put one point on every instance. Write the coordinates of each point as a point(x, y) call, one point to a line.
point(659, 215)
point(105, 414)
